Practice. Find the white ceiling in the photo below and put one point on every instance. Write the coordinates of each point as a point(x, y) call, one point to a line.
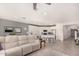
point(45, 14)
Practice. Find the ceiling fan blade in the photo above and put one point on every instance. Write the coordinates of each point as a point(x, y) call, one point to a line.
point(34, 6)
point(48, 3)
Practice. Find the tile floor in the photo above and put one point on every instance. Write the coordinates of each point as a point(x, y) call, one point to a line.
point(65, 48)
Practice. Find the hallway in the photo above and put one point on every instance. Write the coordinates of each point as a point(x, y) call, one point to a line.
point(65, 48)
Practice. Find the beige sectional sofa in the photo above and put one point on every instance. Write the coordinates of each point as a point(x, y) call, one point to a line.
point(14, 45)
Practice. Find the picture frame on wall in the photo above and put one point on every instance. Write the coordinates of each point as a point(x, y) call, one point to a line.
point(18, 29)
point(8, 29)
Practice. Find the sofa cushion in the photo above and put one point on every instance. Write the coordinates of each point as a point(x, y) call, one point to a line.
point(9, 45)
point(17, 51)
point(23, 37)
point(35, 46)
point(11, 38)
point(31, 38)
point(27, 48)
point(22, 42)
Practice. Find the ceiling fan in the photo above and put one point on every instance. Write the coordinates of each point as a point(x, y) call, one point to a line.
point(35, 5)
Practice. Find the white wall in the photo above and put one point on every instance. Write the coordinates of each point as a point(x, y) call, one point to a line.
point(67, 31)
point(33, 29)
point(59, 32)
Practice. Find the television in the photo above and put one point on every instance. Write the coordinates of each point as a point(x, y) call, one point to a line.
point(8, 30)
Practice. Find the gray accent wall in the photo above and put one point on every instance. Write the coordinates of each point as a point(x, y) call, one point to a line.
point(4, 23)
